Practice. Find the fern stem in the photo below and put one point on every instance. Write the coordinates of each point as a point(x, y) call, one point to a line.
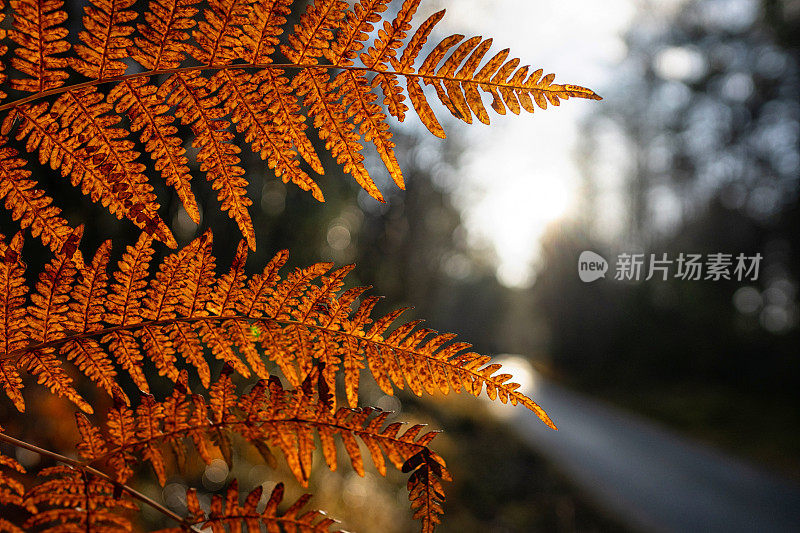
point(199, 68)
point(133, 493)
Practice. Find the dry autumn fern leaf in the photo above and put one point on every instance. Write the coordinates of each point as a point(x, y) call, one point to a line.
point(270, 418)
point(91, 494)
point(70, 499)
point(80, 314)
point(12, 492)
point(220, 68)
point(304, 323)
point(226, 512)
point(77, 498)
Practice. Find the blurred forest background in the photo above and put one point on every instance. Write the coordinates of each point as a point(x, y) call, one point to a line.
point(696, 148)
point(705, 119)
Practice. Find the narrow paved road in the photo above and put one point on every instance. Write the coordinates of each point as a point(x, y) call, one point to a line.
point(651, 478)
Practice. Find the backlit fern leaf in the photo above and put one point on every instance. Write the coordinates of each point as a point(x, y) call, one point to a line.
point(86, 145)
point(384, 49)
point(289, 122)
point(510, 86)
point(87, 311)
point(40, 37)
point(219, 34)
point(362, 109)
point(197, 107)
point(12, 492)
point(251, 114)
point(46, 317)
point(296, 322)
point(260, 34)
point(164, 34)
point(209, 51)
point(405, 65)
point(313, 34)
point(27, 204)
point(122, 308)
point(330, 119)
point(226, 511)
point(86, 116)
point(222, 67)
point(3, 50)
point(150, 115)
point(268, 416)
point(12, 316)
point(105, 39)
point(358, 25)
point(69, 499)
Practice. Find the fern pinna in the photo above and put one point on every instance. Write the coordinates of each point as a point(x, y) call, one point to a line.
point(226, 70)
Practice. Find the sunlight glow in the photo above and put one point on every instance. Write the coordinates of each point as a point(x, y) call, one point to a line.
point(519, 194)
point(521, 173)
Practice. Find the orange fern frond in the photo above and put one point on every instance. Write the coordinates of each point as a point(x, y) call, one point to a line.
point(356, 27)
point(352, 90)
point(192, 296)
point(415, 44)
point(162, 44)
point(201, 48)
point(289, 122)
point(296, 322)
point(40, 38)
point(510, 86)
point(230, 288)
point(330, 119)
point(378, 56)
point(123, 304)
point(45, 321)
point(260, 34)
point(160, 303)
point(86, 116)
point(227, 70)
point(12, 316)
point(105, 39)
point(12, 492)
point(3, 50)
point(239, 96)
point(48, 312)
point(361, 107)
point(425, 487)
point(27, 204)
point(73, 500)
point(219, 34)
point(226, 511)
point(268, 417)
point(149, 115)
point(313, 34)
point(86, 313)
point(87, 146)
point(405, 65)
point(218, 156)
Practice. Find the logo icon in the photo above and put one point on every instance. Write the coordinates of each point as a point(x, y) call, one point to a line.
point(591, 266)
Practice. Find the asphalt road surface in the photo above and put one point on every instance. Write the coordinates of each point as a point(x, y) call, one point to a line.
point(650, 478)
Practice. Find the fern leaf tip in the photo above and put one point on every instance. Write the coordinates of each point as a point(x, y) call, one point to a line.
point(581, 92)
